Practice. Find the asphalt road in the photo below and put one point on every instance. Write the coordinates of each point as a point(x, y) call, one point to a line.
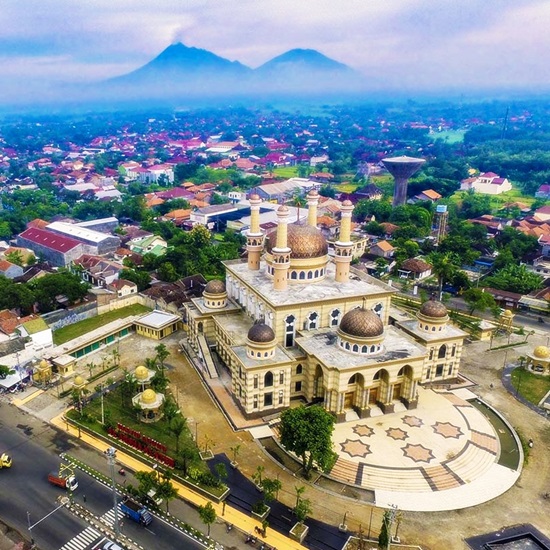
point(24, 488)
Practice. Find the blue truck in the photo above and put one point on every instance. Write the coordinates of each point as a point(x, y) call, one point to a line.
point(136, 511)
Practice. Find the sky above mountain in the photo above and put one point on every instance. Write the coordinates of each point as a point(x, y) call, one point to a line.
point(410, 45)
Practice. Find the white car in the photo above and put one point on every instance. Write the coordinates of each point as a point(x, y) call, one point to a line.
point(110, 545)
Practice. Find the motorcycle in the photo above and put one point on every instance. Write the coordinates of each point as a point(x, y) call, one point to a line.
point(122, 472)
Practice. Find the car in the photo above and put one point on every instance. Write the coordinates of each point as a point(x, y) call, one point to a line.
point(110, 545)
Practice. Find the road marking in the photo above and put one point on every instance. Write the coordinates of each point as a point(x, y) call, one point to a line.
point(82, 540)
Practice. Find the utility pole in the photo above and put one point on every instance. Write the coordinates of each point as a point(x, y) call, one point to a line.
point(110, 453)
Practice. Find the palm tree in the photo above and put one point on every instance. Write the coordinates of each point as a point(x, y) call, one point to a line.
point(177, 427)
point(162, 354)
point(444, 266)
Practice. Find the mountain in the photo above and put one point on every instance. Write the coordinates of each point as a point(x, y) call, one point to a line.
point(186, 73)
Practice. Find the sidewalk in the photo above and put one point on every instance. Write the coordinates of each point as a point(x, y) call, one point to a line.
point(226, 513)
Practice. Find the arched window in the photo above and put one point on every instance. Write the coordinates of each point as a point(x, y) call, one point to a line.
point(373, 348)
point(289, 331)
point(334, 317)
point(365, 349)
point(378, 309)
point(347, 345)
point(268, 379)
point(442, 351)
point(302, 275)
point(401, 371)
point(299, 369)
point(433, 329)
point(293, 274)
point(376, 376)
point(309, 275)
point(313, 318)
point(355, 348)
point(200, 326)
point(352, 380)
point(316, 273)
point(431, 354)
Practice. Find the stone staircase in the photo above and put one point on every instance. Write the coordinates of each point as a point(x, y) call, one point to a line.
point(472, 463)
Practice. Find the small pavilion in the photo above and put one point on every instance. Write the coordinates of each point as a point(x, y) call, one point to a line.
point(149, 402)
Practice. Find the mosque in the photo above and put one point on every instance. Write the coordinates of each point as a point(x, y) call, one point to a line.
point(293, 323)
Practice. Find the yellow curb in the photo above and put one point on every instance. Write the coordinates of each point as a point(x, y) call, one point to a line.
point(231, 515)
point(19, 402)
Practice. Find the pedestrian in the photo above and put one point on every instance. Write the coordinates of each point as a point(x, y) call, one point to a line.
point(84, 498)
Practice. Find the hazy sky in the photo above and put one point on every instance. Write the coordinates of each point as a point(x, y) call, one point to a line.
point(411, 43)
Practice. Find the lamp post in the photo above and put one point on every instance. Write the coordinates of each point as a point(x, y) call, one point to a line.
point(110, 453)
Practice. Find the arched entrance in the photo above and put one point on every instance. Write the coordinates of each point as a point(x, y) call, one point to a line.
point(354, 391)
point(318, 387)
point(379, 387)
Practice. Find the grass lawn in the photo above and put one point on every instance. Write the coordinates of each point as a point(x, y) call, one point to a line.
point(532, 387)
point(64, 334)
point(286, 171)
point(450, 136)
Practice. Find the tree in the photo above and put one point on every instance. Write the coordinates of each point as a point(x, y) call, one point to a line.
point(207, 515)
point(302, 508)
point(185, 456)
point(177, 427)
point(221, 471)
point(514, 278)
point(385, 531)
point(444, 266)
point(166, 490)
point(307, 431)
point(162, 354)
point(148, 481)
point(477, 299)
point(5, 371)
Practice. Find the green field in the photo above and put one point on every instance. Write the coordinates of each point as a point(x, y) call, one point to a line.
point(532, 387)
point(286, 171)
point(70, 332)
point(449, 136)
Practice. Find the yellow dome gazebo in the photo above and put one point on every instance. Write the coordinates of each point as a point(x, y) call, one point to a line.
point(538, 361)
point(43, 373)
point(79, 383)
point(143, 376)
point(149, 402)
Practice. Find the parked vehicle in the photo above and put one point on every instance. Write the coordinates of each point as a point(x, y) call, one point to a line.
point(110, 545)
point(66, 482)
point(136, 511)
point(5, 461)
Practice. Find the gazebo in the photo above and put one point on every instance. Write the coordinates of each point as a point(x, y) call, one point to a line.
point(538, 361)
point(149, 402)
point(143, 376)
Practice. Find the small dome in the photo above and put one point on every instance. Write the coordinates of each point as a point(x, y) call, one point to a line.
point(141, 373)
point(78, 381)
point(304, 241)
point(507, 313)
point(313, 193)
point(362, 322)
point(261, 333)
point(254, 196)
point(347, 202)
point(542, 352)
point(44, 364)
point(282, 208)
point(148, 396)
point(433, 308)
point(215, 286)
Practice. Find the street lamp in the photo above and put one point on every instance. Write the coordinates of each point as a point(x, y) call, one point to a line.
point(110, 453)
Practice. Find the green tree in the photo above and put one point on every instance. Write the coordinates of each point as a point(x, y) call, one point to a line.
point(444, 267)
point(307, 432)
point(166, 490)
point(207, 515)
point(141, 278)
point(5, 371)
point(478, 300)
point(162, 355)
point(384, 537)
point(514, 278)
point(177, 427)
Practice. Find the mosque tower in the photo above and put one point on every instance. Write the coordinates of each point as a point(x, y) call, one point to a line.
point(343, 247)
point(401, 168)
point(254, 236)
point(281, 251)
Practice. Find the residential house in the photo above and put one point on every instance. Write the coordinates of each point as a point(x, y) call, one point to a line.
point(383, 249)
point(543, 192)
point(487, 183)
point(428, 195)
point(149, 245)
point(123, 288)
point(415, 268)
point(38, 331)
point(96, 270)
point(542, 214)
point(10, 270)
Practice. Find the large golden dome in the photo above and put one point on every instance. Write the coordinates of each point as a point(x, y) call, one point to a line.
point(261, 333)
point(433, 308)
point(215, 286)
point(361, 322)
point(305, 241)
point(542, 352)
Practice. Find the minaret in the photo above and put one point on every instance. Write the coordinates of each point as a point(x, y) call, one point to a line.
point(281, 252)
point(254, 236)
point(312, 200)
point(343, 247)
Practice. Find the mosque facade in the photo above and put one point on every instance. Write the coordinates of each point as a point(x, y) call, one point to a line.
point(291, 323)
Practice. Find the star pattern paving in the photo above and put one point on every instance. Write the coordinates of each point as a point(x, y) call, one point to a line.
point(355, 447)
point(446, 429)
point(397, 433)
point(413, 421)
point(363, 431)
point(418, 453)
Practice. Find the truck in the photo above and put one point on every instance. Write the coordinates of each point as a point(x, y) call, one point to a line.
point(65, 481)
point(133, 510)
point(5, 461)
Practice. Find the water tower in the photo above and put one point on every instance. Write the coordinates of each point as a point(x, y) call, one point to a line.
point(401, 168)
